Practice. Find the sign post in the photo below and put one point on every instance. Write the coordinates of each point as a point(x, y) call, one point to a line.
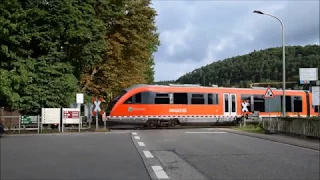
point(79, 101)
point(316, 96)
point(267, 95)
point(104, 120)
point(318, 84)
point(97, 109)
point(245, 110)
point(71, 116)
point(306, 76)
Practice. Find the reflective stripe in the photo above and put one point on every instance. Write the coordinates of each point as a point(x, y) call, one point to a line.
point(194, 116)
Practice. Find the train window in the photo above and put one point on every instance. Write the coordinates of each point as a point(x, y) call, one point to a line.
point(197, 95)
point(180, 98)
point(259, 103)
point(197, 99)
point(161, 100)
point(289, 104)
point(129, 100)
point(297, 103)
point(162, 95)
point(226, 103)
point(135, 99)
point(213, 99)
point(138, 98)
point(316, 108)
point(233, 105)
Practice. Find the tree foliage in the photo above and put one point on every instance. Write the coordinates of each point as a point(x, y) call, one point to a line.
point(52, 49)
point(255, 67)
point(131, 41)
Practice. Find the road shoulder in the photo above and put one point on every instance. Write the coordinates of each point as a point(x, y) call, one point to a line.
point(295, 141)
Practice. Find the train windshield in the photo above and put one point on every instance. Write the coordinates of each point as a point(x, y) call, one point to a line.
point(114, 101)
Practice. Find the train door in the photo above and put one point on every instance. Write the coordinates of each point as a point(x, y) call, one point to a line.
point(229, 104)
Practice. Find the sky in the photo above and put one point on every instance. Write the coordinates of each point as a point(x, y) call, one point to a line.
point(194, 33)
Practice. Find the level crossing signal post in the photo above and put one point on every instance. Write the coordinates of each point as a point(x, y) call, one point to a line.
point(97, 110)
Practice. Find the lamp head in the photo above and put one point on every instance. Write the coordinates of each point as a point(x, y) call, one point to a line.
point(258, 12)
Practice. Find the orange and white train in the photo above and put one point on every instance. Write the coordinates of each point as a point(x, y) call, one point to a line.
point(153, 105)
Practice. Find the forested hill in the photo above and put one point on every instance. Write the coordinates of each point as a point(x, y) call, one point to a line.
point(257, 66)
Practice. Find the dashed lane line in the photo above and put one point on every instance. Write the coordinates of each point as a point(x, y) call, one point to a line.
point(160, 172)
point(141, 144)
point(148, 154)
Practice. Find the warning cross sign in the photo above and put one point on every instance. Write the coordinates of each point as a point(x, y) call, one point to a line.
point(97, 103)
point(269, 93)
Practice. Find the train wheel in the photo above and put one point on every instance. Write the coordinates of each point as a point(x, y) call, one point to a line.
point(151, 124)
point(172, 123)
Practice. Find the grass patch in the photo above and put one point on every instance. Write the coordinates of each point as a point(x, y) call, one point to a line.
point(251, 128)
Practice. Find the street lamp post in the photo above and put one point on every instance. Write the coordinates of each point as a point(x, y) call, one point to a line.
point(283, 64)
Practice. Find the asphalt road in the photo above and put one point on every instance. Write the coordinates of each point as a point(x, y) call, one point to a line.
point(76, 156)
point(210, 154)
point(195, 154)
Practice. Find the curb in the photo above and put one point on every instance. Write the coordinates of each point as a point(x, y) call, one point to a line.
point(271, 139)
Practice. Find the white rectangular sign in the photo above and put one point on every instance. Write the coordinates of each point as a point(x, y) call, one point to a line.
point(308, 74)
point(71, 115)
point(315, 96)
point(79, 98)
point(50, 115)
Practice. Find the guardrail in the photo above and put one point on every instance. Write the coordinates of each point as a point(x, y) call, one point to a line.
point(309, 127)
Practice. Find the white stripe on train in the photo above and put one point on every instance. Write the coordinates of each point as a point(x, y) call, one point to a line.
point(195, 116)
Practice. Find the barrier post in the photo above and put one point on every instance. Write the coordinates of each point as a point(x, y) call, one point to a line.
point(105, 121)
point(19, 123)
point(38, 119)
point(80, 119)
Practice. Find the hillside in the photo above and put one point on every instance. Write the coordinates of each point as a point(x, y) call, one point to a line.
point(257, 66)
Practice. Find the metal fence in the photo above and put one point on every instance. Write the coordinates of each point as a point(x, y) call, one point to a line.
point(296, 126)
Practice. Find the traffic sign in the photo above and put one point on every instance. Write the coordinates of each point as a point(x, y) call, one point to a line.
point(79, 98)
point(269, 93)
point(71, 114)
point(29, 119)
point(97, 103)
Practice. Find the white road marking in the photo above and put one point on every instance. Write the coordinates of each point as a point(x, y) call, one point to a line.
point(160, 172)
point(134, 133)
point(206, 132)
point(136, 137)
point(148, 154)
point(141, 144)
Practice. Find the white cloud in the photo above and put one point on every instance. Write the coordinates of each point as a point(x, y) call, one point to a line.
point(176, 39)
point(168, 70)
point(196, 33)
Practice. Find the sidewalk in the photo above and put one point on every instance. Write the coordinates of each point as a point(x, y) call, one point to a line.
point(306, 143)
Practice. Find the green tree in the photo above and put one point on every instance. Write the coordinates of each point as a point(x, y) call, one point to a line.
point(45, 47)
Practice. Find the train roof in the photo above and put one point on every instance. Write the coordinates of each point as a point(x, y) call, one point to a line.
point(196, 86)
